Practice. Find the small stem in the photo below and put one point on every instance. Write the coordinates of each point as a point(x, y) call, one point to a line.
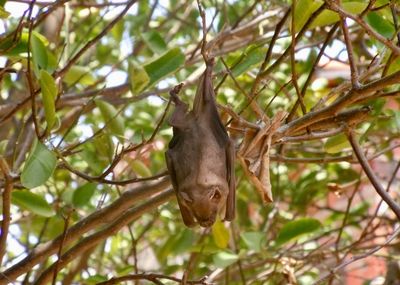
point(370, 173)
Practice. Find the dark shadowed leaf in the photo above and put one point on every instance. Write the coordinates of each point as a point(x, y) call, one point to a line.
point(82, 195)
point(294, 229)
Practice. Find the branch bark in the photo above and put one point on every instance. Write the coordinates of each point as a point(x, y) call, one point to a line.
point(94, 239)
point(106, 215)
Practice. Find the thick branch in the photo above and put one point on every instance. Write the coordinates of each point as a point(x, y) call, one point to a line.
point(94, 239)
point(100, 217)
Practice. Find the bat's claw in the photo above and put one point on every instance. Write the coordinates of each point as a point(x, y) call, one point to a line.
point(174, 93)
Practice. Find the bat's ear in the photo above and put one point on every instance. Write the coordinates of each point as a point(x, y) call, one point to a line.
point(231, 199)
point(187, 216)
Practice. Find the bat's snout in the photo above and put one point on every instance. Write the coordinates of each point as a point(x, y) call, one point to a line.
point(206, 223)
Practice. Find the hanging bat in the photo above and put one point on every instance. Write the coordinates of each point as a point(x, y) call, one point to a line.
point(200, 158)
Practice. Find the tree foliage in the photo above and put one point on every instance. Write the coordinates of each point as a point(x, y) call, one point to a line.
point(307, 89)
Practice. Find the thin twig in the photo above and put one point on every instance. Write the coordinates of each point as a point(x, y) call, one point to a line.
point(359, 257)
point(64, 234)
point(371, 175)
point(150, 277)
point(349, 48)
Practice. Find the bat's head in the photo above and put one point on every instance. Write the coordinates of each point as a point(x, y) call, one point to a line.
point(204, 204)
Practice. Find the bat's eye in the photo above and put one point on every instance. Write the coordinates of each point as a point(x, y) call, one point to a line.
point(216, 194)
point(186, 197)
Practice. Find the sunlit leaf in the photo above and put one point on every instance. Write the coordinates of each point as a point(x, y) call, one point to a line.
point(49, 94)
point(39, 51)
point(39, 166)
point(155, 42)
point(32, 202)
point(104, 146)
point(97, 278)
point(380, 24)
point(253, 240)
point(252, 56)
point(303, 11)
point(118, 30)
point(140, 168)
point(165, 65)
point(138, 77)
point(223, 259)
point(220, 234)
point(111, 117)
point(79, 74)
point(336, 144)
point(328, 17)
point(294, 229)
point(3, 13)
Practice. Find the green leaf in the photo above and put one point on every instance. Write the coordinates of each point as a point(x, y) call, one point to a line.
point(380, 24)
point(3, 13)
point(113, 121)
point(220, 234)
point(303, 11)
point(394, 67)
point(49, 95)
point(97, 278)
point(252, 56)
point(165, 65)
point(82, 195)
point(9, 47)
point(155, 42)
point(79, 74)
point(224, 259)
point(253, 240)
point(140, 168)
point(104, 146)
point(39, 51)
point(39, 166)
point(32, 202)
point(138, 77)
point(118, 30)
point(328, 17)
point(336, 143)
point(295, 229)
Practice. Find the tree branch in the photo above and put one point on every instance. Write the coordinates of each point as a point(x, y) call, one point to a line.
point(371, 175)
